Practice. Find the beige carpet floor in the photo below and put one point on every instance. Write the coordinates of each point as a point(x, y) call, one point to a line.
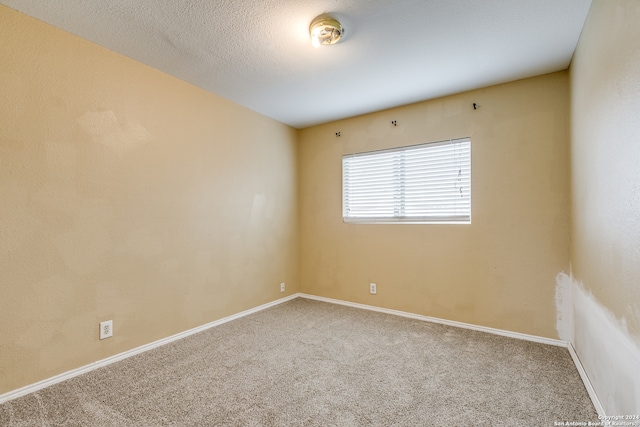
point(309, 363)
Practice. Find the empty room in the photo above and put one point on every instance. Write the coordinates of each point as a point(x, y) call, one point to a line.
point(343, 213)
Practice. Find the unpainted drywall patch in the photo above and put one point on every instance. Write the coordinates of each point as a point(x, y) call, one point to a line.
point(564, 307)
point(105, 128)
point(609, 354)
point(258, 209)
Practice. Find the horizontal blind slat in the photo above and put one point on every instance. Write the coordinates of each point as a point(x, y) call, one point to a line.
point(429, 182)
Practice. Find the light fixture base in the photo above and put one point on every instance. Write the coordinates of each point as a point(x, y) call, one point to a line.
point(325, 30)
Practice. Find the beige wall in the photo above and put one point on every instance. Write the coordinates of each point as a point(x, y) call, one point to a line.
point(605, 177)
point(605, 148)
point(127, 194)
point(500, 270)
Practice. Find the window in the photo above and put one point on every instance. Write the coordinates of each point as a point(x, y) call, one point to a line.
point(426, 183)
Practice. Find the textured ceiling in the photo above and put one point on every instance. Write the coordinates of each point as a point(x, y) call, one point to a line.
point(394, 52)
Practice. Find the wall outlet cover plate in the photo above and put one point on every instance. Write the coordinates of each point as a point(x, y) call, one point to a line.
point(106, 329)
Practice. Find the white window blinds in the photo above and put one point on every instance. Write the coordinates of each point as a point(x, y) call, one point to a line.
point(420, 183)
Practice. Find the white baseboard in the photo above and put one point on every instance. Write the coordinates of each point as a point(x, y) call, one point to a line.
point(494, 331)
point(109, 360)
point(104, 362)
point(586, 381)
point(510, 334)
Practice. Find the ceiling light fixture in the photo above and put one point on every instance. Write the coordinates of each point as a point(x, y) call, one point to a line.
point(325, 30)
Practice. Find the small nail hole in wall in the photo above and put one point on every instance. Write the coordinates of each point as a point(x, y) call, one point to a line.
point(337, 133)
point(394, 123)
point(475, 106)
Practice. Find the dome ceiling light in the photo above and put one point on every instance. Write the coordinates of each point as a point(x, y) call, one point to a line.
point(325, 30)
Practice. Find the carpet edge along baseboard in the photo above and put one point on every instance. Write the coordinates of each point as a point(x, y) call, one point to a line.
point(31, 388)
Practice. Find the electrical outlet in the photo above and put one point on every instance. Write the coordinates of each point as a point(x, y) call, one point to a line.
point(282, 287)
point(373, 289)
point(106, 329)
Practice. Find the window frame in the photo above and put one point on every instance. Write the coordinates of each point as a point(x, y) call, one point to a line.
point(399, 215)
